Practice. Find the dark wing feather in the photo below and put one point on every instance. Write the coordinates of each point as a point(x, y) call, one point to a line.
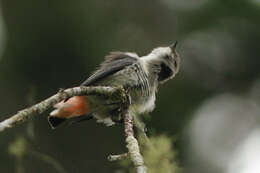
point(113, 63)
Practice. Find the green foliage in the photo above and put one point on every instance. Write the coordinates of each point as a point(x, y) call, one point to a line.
point(18, 147)
point(21, 148)
point(158, 153)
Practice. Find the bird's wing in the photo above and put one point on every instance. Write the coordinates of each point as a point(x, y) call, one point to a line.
point(113, 63)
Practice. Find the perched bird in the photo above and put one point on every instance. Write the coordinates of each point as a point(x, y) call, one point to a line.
point(140, 75)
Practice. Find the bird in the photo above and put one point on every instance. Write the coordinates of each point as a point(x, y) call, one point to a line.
point(140, 75)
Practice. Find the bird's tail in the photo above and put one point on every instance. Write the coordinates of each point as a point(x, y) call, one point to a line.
point(73, 107)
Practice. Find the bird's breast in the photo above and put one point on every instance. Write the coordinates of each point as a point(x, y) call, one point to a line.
point(145, 106)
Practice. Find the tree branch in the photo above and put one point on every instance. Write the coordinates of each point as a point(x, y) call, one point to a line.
point(106, 92)
point(39, 108)
point(132, 144)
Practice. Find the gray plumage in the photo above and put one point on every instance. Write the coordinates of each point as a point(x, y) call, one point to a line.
point(113, 63)
point(139, 75)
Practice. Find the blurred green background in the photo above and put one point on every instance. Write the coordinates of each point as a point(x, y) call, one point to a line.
point(47, 45)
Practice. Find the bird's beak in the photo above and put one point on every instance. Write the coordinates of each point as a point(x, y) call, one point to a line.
point(173, 45)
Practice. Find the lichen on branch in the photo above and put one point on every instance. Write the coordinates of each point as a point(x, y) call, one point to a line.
point(39, 108)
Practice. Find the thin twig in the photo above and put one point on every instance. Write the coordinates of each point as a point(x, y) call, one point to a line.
point(39, 108)
point(112, 158)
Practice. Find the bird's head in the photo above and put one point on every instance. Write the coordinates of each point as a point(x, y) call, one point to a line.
point(168, 61)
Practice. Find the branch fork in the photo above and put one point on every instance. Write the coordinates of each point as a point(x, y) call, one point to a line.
point(107, 92)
